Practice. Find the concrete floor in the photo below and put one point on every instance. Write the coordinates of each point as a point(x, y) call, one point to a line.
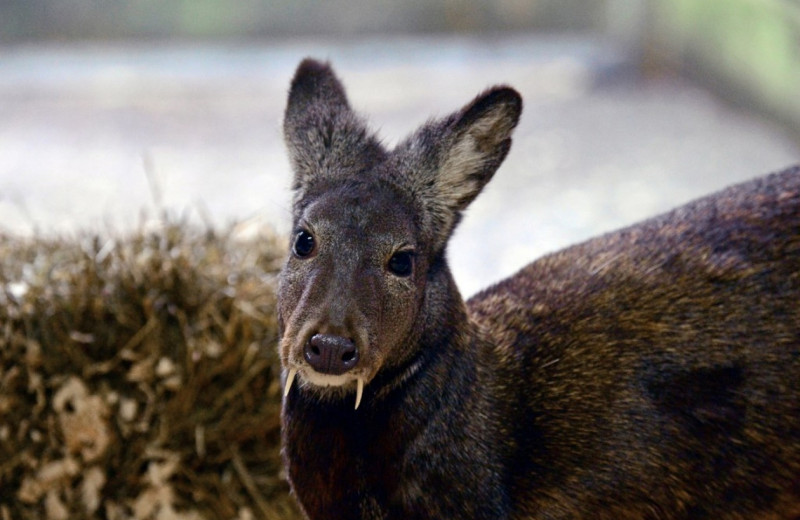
point(598, 146)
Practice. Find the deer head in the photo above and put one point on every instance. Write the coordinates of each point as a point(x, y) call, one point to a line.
point(366, 284)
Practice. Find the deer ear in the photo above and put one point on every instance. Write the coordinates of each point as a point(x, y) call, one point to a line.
point(480, 138)
point(324, 137)
point(446, 163)
point(315, 87)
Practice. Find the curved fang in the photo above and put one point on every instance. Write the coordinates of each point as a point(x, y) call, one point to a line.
point(359, 391)
point(289, 380)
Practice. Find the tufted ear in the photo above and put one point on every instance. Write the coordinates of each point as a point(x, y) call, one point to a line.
point(324, 137)
point(448, 162)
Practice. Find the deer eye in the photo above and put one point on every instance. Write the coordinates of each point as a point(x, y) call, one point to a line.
point(303, 244)
point(401, 263)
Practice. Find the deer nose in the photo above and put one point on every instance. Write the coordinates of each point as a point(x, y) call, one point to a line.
point(330, 354)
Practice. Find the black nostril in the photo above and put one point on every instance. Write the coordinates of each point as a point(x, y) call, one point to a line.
point(331, 354)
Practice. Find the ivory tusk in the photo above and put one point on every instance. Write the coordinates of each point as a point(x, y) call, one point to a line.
point(289, 380)
point(359, 391)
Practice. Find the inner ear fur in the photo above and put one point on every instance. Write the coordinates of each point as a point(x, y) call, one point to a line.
point(480, 141)
point(446, 163)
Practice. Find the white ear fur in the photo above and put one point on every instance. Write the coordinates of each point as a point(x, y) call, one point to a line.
point(480, 141)
point(445, 164)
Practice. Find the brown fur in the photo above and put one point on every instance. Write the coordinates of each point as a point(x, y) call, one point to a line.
point(649, 373)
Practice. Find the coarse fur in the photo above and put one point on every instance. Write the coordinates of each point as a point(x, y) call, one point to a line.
point(650, 373)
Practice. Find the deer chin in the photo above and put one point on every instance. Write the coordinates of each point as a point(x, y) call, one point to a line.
point(324, 381)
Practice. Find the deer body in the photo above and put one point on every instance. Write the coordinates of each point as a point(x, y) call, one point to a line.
point(649, 373)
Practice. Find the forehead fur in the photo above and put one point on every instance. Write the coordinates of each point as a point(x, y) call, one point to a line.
point(364, 205)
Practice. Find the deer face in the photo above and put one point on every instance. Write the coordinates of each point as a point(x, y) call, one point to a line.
point(352, 286)
point(370, 228)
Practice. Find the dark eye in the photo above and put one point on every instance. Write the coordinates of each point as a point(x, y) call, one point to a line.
point(303, 244)
point(401, 263)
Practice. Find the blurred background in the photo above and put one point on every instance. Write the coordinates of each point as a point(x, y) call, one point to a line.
point(112, 111)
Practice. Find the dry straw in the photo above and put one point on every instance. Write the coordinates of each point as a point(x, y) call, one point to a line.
point(138, 377)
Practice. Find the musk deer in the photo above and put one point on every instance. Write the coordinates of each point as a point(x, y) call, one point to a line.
point(650, 373)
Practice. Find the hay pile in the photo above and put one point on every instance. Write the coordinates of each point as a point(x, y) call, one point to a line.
point(139, 379)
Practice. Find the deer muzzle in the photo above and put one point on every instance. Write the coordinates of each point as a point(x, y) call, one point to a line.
point(330, 354)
